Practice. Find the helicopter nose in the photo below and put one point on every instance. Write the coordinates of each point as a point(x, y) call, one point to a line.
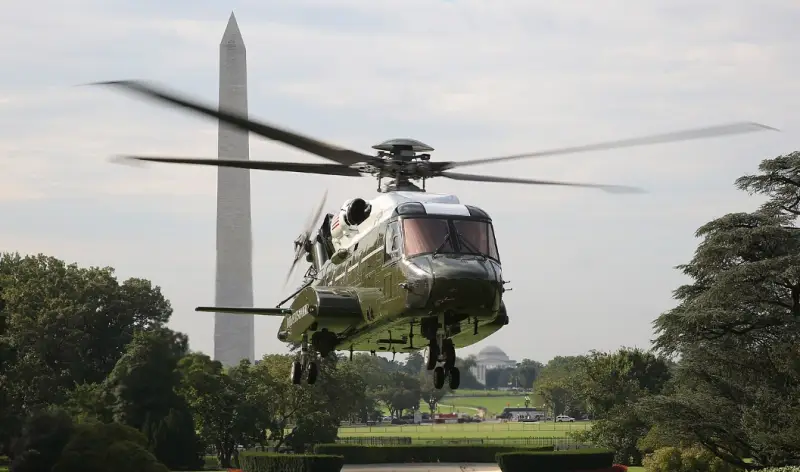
point(464, 284)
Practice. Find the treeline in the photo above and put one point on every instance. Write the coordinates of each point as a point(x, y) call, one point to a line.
point(75, 341)
point(727, 376)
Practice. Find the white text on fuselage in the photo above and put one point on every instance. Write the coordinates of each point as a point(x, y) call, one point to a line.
point(295, 317)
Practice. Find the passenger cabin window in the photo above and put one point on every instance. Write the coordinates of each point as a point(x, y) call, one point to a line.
point(392, 241)
point(426, 235)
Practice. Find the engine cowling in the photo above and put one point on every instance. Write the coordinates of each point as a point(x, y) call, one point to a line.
point(353, 213)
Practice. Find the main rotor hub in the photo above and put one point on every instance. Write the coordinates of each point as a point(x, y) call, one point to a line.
point(402, 144)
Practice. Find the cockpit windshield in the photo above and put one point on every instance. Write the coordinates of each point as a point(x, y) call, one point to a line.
point(429, 235)
point(476, 236)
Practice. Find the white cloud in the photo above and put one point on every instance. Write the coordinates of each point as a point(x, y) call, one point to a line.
point(471, 78)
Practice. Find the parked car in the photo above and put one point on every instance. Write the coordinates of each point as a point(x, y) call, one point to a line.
point(564, 419)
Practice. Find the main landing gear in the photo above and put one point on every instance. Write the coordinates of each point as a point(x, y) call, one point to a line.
point(308, 363)
point(443, 350)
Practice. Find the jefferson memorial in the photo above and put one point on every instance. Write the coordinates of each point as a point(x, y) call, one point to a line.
point(490, 357)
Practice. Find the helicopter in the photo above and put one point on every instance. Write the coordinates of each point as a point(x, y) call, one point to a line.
point(404, 271)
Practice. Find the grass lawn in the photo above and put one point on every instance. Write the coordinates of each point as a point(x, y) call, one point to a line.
point(467, 430)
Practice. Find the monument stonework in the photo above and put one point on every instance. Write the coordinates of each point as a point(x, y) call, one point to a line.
point(234, 335)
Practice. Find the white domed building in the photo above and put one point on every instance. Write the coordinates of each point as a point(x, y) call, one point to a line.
point(490, 357)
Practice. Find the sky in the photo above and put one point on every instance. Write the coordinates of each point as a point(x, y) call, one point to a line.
point(471, 78)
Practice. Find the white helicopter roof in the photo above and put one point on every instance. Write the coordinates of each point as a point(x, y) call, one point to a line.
point(435, 204)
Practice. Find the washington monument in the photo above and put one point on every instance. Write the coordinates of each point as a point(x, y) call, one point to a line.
point(233, 334)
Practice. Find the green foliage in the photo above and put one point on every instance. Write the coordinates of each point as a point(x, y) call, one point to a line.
point(788, 468)
point(557, 385)
point(428, 393)
point(401, 392)
point(269, 462)
point(694, 459)
point(230, 407)
point(62, 326)
point(44, 436)
point(555, 461)
point(736, 328)
point(611, 385)
point(144, 388)
point(97, 447)
point(402, 454)
point(174, 441)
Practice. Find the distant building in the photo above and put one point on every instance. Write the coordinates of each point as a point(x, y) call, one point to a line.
point(490, 357)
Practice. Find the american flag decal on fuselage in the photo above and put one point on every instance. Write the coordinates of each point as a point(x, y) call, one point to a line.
point(335, 223)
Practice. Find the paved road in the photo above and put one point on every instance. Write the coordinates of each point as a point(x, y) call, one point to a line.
point(436, 467)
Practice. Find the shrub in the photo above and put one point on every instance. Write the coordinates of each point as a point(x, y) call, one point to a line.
point(556, 461)
point(404, 454)
point(694, 459)
point(273, 462)
point(44, 435)
point(96, 447)
point(4, 461)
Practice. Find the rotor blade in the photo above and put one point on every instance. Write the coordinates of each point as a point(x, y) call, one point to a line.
point(300, 251)
point(319, 148)
point(315, 216)
point(513, 180)
point(685, 135)
point(291, 269)
point(327, 169)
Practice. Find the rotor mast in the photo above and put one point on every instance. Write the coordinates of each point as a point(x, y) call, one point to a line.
point(404, 159)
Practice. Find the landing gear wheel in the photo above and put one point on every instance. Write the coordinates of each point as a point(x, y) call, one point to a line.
point(438, 378)
point(313, 371)
point(455, 378)
point(449, 354)
point(296, 373)
point(432, 355)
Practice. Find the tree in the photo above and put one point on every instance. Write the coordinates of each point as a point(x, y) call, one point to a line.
point(415, 363)
point(98, 447)
point(611, 385)
point(736, 329)
point(429, 394)
point(401, 392)
point(144, 385)
point(527, 372)
point(288, 400)
point(230, 407)
point(557, 387)
point(44, 436)
point(64, 325)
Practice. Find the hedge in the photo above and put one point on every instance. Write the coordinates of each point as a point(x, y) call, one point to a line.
point(555, 461)
point(274, 462)
point(402, 454)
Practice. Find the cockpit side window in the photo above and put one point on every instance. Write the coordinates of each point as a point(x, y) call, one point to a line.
point(393, 242)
